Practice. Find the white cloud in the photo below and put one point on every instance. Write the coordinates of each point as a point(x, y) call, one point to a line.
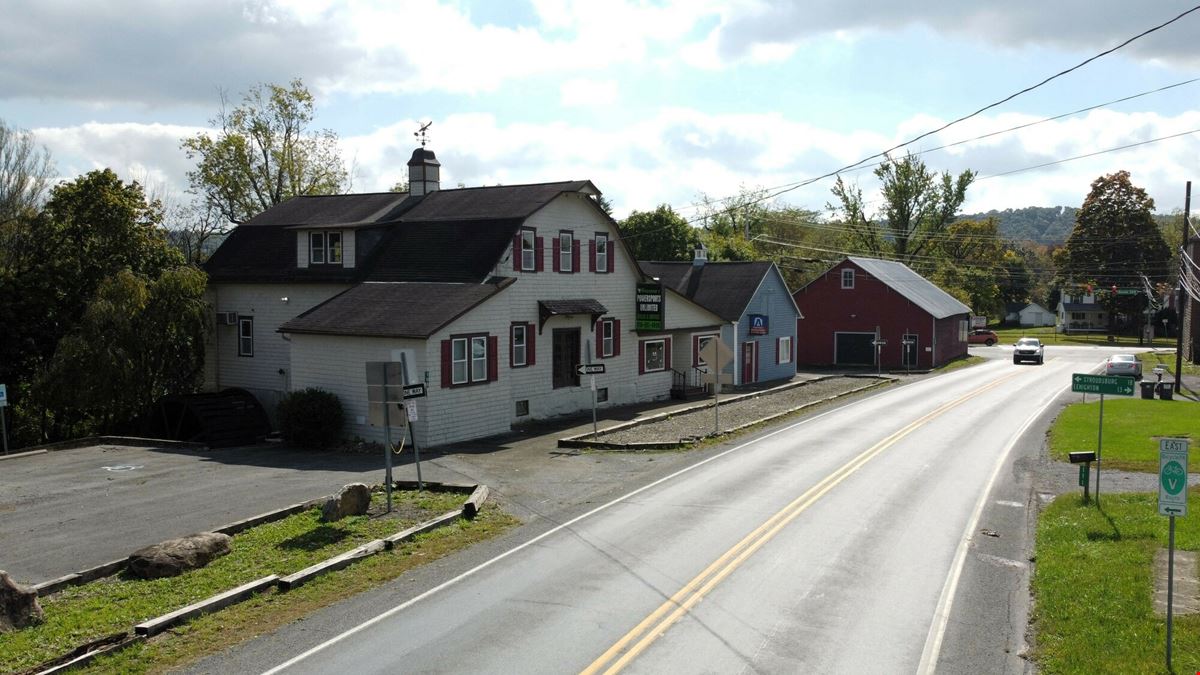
point(583, 92)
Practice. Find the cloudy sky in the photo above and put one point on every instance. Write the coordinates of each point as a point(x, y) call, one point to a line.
point(655, 102)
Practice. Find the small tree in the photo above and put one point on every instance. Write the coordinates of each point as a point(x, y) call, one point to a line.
point(310, 418)
point(263, 153)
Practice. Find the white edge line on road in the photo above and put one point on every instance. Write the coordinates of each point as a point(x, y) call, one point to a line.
point(488, 563)
point(941, 615)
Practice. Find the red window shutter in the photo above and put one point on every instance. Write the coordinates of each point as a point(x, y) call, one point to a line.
point(517, 251)
point(575, 256)
point(512, 345)
point(600, 339)
point(592, 255)
point(610, 255)
point(530, 345)
point(641, 358)
point(493, 351)
point(667, 353)
point(447, 374)
point(556, 255)
point(616, 337)
point(539, 259)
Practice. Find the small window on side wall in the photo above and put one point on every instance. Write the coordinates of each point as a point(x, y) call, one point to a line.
point(785, 349)
point(654, 356)
point(847, 278)
point(316, 248)
point(245, 336)
point(601, 253)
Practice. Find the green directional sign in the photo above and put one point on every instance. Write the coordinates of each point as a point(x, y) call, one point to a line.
point(1102, 384)
point(1172, 476)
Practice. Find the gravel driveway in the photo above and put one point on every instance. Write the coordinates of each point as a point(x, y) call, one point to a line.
point(737, 411)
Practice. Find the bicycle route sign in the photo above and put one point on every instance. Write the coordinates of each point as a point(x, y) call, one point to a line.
point(1102, 384)
point(1172, 476)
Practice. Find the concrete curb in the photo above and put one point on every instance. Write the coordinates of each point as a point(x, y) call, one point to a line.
point(231, 597)
point(135, 441)
point(28, 453)
point(579, 442)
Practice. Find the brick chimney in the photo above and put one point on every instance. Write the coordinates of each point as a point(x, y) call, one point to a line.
point(423, 173)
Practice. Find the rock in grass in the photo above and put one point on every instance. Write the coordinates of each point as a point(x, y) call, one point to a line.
point(18, 605)
point(175, 556)
point(352, 500)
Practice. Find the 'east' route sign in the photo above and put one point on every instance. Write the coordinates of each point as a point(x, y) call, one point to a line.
point(1102, 384)
point(1172, 476)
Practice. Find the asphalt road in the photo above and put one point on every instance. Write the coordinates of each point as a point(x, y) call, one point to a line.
point(863, 539)
point(71, 509)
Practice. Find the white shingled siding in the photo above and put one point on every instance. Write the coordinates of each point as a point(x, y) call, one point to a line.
point(338, 364)
point(272, 353)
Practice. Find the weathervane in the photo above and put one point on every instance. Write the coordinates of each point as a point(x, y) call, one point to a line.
point(420, 133)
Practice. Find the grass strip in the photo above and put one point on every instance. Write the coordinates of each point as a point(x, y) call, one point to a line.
point(1132, 429)
point(1093, 587)
point(1048, 335)
point(83, 613)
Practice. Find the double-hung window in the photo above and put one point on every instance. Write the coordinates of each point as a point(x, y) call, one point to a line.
point(607, 340)
point(784, 347)
point(565, 256)
point(847, 278)
point(520, 354)
point(528, 249)
point(479, 351)
point(245, 336)
point(468, 360)
point(325, 248)
point(601, 252)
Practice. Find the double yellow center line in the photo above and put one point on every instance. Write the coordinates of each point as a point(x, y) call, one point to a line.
point(636, 641)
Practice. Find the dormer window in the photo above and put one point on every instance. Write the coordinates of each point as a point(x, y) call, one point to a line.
point(325, 248)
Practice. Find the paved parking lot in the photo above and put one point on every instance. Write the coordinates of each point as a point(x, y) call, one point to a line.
point(70, 509)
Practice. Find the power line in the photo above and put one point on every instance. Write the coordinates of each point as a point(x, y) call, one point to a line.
point(1090, 154)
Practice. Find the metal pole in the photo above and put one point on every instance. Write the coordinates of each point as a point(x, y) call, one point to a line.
point(595, 431)
point(1181, 294)
point(1099, 448)
point(387, 443)
point(411, 429)
point(1170, 588)
point(716, 399)
point(4, 429)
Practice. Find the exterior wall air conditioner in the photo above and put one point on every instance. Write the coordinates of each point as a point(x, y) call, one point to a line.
point(227, 318)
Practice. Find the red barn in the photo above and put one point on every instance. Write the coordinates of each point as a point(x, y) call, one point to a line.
point(861, 300)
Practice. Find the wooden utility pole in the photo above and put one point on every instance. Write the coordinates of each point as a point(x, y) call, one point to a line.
point(1182, 294)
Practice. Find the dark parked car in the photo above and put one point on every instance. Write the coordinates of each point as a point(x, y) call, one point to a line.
point(1028, 349)
point(1123, 364)
point(984, 336)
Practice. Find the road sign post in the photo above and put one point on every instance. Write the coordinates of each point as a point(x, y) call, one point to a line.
point(1172, 501)
point(410, 392)
point(592, 369)
point(717, 356)
point(1087, 383)
point(3, 423)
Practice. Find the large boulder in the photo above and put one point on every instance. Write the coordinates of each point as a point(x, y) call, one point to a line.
point(175, 556)
point(18, 605)
point(352, 500)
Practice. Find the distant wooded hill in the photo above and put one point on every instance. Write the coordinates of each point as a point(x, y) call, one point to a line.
point(1041, 224)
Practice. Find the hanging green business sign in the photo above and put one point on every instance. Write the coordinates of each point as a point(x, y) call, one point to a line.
point(649, 304)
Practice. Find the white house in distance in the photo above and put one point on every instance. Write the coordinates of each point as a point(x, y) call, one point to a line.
point(494, 295)
point(1079, 311)
point(1028, 314)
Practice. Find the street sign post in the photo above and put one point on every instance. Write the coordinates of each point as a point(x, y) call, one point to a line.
point(3, 423)
point(1087, 383)
point(1172, 501)
point(718, 356)
point(413, 391)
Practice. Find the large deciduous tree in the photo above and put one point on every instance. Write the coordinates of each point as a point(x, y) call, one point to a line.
point(25, 173)
point(660, 234)
point(1115, 238)
point(918, 205)
point(264, 153)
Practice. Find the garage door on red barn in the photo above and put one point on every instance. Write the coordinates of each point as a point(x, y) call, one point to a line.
point(854, 349)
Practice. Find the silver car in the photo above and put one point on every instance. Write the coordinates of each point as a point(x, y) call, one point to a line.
point(1028, 349)
point(1123, 364)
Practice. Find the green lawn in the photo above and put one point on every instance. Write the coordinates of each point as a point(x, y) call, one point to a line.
point(84, 613)
point(1093, 587)
point(1151, 359)
point(1132, 427)
point(1048, 335)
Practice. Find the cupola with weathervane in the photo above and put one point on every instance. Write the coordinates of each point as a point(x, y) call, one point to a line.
point(424, 170)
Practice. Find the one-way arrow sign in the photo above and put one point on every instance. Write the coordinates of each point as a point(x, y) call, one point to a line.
point(590, 368)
